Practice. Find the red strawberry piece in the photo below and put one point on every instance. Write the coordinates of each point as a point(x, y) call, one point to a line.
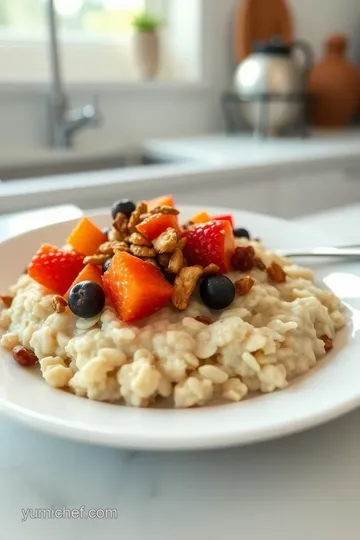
point(211, 242)
point(225, 217)
point(153, 226)
point(54, 268)
point(136, 288)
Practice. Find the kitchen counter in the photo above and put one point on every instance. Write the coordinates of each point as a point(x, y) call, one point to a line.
point(209, 161)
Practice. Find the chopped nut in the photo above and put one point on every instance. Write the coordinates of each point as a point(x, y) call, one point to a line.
point(145, 216)
point(259, 263)
point(151, 261)
point(184, 285)
point(244, 285)
point(204, 319)
point(120, 223)
point(6, 300)
point(121, 246)
point(115, 236)
point(211, 269)
point(166, 242)
point(142, 251)
point(243, 258)
point(164, 259)
point(276, 273)
point(141, 208)
point(24, 357)
point(176, 262)
point(328, 343)
point(164, 210)
point(139, 240)
point(182, 243)
point(59, 303)
point(96, 259)
point(106, 248)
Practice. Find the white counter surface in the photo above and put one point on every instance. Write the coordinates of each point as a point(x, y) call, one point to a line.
point(303, 487)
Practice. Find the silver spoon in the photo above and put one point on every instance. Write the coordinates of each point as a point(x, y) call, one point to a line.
point(352, 252)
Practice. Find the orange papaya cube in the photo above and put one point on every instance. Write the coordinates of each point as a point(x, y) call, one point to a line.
point(164, 200)
point(153, 226)
point(86, 237)
point(201, 217)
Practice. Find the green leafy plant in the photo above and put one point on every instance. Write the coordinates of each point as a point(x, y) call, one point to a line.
point(145, 22)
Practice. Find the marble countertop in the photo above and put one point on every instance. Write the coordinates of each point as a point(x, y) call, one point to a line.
point(302, 487)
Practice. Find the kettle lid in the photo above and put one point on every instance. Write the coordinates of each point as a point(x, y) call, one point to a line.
point(273, 47)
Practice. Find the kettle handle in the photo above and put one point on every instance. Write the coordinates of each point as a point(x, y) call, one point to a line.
point(307, 52)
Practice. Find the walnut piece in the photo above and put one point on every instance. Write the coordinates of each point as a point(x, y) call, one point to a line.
point(166, 242)
point(184, 286)
point(176, 262)
point(59, 303)
point(6, 300)
point(182, 243)
point(276, 273)
point(108, 248)
point(259, 263)
point(96, 259)
point(139, 240)
point(164, 259)
point(164, 210)
point(204, 319)
point(120, 223)
point(328, 343)
point(244, 285)
point(211, 269)
point(243, 258)
point(141, 208)
point(115, 236)
point(150, 261)
point(24, 357)
point(142, 251)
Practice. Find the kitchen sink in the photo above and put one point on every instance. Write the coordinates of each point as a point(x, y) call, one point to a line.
point(57, 163)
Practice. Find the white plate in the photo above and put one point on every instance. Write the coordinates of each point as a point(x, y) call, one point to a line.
point(328, 391)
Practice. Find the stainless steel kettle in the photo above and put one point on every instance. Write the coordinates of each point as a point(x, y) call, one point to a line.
point(270, 83)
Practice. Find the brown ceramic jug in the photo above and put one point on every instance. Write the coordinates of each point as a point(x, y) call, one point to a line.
point(334, 84)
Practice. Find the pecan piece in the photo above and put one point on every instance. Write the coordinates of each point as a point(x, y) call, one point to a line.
point(328, 343)
point(276, 273)
point(96, 259)
point(204, 319)
point(164, 259)
point(244, 285)
point(141, 208)
point(106, 248)
point(259, 263)
point(139, 240)
point(184, 286)
point(120, 223)
point(211, 269)
point(142, 251)
point(59, 303)
point(166, 242)
point(6, 300)
point(243, 258)
point(24, 357)
point(164, 210)
point(115, 236)
point(176, 262)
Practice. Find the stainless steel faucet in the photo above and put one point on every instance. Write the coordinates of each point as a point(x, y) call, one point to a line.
point(64, 122)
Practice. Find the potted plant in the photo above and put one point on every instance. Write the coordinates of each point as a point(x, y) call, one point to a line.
point(147, 43)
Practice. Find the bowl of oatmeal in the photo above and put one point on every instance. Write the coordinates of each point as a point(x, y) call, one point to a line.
point(166, 327)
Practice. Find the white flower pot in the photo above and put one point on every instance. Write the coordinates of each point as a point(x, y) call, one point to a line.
point(147, 53)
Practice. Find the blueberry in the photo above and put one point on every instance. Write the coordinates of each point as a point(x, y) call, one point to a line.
point(241, 233)
point(217, 292)
point(106, 265)
point(123, 205)
point(86, 299)
point(106, 230)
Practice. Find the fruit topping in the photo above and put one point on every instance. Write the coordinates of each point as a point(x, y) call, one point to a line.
point(154, 225)
point(136, 288)
point(241, 233)
point(54, 268)
point(91, 272)
point(24, 357)
point(123, 206)
point(225, 217)
point(201, 217)
point(210, 243)
point(217, 292)
point(86, 299)
point(164, 200)
point(106, 265)
point(243, 258)
point(86, 237)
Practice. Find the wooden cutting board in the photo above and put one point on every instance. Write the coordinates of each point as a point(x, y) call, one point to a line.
point(258, 21)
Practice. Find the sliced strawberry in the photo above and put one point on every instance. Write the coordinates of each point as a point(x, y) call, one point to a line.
point(91, 272)
point(211, 242)
point(54, 268)
point(164, 200)
point(153, 226)
point(225, 217)
point(136, 288)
